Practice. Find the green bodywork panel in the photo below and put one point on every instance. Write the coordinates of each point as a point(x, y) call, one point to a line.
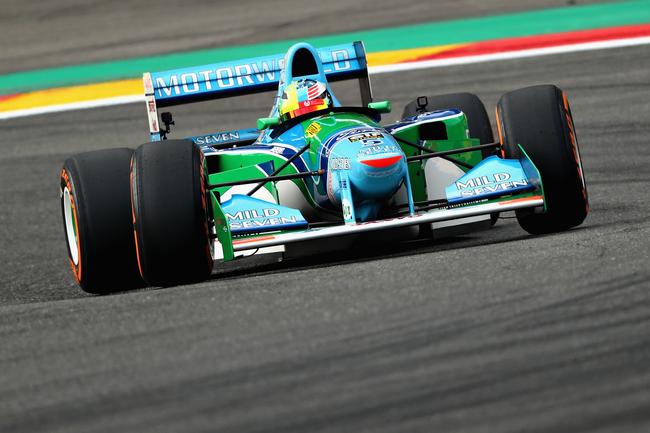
point(239, 173)
point(381, 106)
point(457, 137)
point(221, 228)
point(230, 168)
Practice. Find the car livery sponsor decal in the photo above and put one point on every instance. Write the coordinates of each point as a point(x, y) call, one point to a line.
point(312, 129)
point(489, 184)
point(218, 77)
point(491, 177)
point(356, 133)
point(250, 214)
point(248, 73)
point(253, 218)
point(378, 149)
point(367, 138)
point(221, 137)
point(339, 164)
point(225, 136)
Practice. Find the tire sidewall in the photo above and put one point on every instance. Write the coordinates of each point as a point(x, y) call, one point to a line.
point(98, 192)
point(69, 174)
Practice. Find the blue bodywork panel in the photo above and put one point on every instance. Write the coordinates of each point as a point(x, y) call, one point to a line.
point(248, 214)
point(247, 76)
point(491, 177)
point(363, 165)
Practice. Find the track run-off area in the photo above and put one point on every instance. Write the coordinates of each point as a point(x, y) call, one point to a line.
point(496, 331)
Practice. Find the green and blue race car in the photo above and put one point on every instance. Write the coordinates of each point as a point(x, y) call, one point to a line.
point(314, 173)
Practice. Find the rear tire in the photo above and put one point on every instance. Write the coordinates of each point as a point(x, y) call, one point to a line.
point(170, 213)
point(470, 104)
point(539, 119)
point(96, 209)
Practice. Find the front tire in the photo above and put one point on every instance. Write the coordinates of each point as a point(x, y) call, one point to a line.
point(539, 119)
point(170, 213)
point(96, 209)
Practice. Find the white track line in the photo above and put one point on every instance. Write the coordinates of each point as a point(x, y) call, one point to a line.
point(399, 67)
point(508, 55)
point(83, 105)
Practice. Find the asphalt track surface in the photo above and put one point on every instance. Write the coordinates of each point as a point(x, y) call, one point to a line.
point(492, 332)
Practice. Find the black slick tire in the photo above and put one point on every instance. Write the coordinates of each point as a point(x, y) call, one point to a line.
point(96, 209)
point(170, 213)
point(539, 119)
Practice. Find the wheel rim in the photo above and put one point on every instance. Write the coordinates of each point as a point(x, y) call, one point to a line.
point(70, 225)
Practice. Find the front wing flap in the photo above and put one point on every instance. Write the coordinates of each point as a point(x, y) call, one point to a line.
point(271, 239)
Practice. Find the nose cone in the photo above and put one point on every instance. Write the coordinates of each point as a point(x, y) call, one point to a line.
point(374, 163)
point(379, 174)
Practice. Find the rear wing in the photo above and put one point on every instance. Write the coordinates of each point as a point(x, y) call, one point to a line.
point(247, 76)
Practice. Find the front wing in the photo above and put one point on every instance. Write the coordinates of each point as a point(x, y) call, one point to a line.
point(271, 239)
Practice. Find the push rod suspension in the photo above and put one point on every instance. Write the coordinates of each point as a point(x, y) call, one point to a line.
point(451, 152)
point(279, 170)
point(429, 151)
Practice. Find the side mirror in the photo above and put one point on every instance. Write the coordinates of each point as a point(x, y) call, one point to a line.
point(267, 122)
point(381, 106)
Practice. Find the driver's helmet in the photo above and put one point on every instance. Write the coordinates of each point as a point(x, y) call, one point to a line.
point(303, 96)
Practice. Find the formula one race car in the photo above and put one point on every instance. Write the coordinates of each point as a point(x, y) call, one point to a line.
point(314, 172)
